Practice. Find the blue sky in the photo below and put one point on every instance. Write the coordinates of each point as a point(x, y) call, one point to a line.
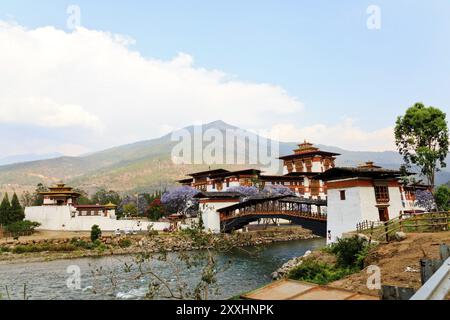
point(320, 52)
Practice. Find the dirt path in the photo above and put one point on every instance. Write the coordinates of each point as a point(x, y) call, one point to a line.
point(399, 262)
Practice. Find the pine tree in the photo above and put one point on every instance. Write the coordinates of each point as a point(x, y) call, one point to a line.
point(5, 207)
point(16, 212)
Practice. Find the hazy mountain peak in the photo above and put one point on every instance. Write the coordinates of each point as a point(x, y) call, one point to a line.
point(219, 124)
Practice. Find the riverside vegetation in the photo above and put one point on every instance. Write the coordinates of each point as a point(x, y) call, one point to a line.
point(332, 263)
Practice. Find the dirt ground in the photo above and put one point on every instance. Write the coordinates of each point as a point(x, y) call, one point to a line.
point(399, 262)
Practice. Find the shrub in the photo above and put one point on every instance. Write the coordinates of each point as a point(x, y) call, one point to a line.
point(95, 232)
point(83, 244)
point(4, 249)
point(350, 252)
point(124, 243)
point(100, 246)
point(64, 247)
point(22, 226)
point(28, 249)
point(318, 272)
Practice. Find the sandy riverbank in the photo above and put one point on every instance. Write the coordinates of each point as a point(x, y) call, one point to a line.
point(61, 245)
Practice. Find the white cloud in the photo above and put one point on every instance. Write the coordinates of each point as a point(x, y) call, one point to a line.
point(345, 134)
point(93, 79)
point(95, 83)
point(42, 111)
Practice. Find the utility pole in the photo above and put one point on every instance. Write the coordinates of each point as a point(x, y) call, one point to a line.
point(160, 181)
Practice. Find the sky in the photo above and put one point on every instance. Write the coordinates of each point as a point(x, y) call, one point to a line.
point(80, 76)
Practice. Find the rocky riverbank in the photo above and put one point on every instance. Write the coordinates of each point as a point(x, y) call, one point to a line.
point(78, 247)
point(283, 271)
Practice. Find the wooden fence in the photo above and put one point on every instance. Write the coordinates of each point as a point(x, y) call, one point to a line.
point(425, 222)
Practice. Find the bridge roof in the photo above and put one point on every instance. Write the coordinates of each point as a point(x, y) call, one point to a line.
point(282, 198)
point(304, 201)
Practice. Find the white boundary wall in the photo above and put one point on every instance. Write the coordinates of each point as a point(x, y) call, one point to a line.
point(65, 218)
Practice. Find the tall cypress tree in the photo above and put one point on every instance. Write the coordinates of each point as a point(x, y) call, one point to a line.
point(5, 207)
point(16, 212)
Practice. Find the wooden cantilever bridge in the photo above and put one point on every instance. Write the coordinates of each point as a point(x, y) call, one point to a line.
point(298, 210)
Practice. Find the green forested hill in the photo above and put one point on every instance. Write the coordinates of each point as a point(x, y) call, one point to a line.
point(146, 166)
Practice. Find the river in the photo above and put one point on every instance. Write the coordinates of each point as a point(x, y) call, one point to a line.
point(48, 280)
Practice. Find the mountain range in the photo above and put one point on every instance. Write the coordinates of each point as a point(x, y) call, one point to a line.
point(147, 166)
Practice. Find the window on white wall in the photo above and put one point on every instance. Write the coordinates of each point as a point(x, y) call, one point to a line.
point(342, 194)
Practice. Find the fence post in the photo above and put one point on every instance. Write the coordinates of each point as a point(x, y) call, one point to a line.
point(400, 220)
point(386, 229)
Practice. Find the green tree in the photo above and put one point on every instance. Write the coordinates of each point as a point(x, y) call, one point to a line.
point(5, 208)
point(421, 136)
point(442, 198)
point(130, 210)
point(96, 233)
point(84, 197)
point(102, 196)
point(16, 212)
point(38, 199)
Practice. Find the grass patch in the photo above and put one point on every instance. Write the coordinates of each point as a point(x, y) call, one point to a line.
point(350, 255)
point(318, 272)
point(350, 252)
point(73, 245)
point(124, 243)
point(32, 248)
point(4, 249)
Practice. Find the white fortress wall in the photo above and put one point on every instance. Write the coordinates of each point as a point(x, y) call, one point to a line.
point(60, 218)
point(395, 202)
point(343, 215)
point(210, 216)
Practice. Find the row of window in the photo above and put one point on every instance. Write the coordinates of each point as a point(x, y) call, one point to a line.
point(90, 213)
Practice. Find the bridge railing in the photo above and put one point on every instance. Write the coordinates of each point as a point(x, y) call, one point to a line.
point(294, 213)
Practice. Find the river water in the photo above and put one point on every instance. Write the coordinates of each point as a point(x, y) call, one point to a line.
point(245, 271)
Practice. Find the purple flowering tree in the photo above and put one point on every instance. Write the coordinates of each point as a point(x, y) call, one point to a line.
point(246, 191)
point(425, 200)
point(277, 190)
point(180, 200)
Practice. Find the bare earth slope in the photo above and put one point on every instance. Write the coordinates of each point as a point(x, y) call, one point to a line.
point(395, 259)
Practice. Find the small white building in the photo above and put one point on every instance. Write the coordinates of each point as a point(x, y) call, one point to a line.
point(61, 212)
point(210, 202)
point(365, 193)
